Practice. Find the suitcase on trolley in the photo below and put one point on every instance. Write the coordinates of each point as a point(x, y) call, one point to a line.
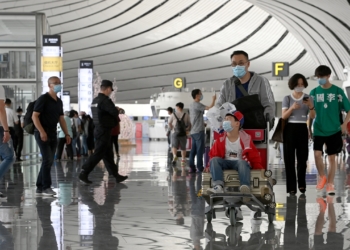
point(261, 184)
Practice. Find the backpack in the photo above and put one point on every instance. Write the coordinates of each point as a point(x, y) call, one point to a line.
point(180, 127)
point(28, 124)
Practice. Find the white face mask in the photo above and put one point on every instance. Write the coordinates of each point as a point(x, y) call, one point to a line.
point(299, 89)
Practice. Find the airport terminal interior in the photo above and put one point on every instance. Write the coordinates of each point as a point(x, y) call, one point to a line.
point(155, 53)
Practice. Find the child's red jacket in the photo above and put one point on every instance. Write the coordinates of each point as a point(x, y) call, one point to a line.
point(249, 151)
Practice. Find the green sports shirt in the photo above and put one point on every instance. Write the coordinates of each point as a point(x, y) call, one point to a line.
point(328, 104)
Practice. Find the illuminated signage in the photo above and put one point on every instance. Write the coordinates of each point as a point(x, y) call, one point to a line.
point(85, 94)
point(66, 100)
point(179, 82)
point(51, 60)
point(280, 69)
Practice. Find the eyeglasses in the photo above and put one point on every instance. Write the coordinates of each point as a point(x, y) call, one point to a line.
point(239, 64)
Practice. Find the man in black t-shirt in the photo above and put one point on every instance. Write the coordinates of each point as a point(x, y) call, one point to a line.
point(48, 111)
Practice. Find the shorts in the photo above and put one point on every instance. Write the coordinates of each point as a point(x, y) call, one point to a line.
point(335, 241)
point(334, 143)
point(178, 142)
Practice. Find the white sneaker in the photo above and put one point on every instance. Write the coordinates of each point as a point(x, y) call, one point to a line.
point(215, 190)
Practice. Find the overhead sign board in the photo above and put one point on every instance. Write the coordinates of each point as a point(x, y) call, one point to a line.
point(179, 82)
point(280, 69)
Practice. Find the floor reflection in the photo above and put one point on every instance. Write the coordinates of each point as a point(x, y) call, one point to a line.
point(159, 208)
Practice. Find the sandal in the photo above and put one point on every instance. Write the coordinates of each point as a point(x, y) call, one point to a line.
point(302, 190)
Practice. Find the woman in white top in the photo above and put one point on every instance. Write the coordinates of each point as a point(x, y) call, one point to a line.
point(295, 134)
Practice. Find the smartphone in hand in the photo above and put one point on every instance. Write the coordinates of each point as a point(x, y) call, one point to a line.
point(305, 99)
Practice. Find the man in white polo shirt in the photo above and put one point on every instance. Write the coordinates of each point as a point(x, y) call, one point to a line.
point(6, 146)
point(12, 119)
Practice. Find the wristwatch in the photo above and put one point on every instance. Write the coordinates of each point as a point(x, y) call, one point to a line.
point(6, 130)
point(67, 135)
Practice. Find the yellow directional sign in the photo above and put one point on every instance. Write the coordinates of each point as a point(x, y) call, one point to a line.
point(280, 69)
point(179, 82)
point(51, 64)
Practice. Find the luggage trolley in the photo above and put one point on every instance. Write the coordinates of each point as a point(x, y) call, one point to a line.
point(262, 195)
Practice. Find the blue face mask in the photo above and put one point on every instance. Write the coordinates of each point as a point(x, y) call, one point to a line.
point(201, 98)
point(227, 126)
point(322, 81)
point(57, 88)
point(239, 71)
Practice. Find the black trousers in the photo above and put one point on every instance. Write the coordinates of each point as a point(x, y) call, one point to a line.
point(114, 141)
point(103, 151)
point(60, 146)
point(295, 141)
point(19, 147)
point(13, 137)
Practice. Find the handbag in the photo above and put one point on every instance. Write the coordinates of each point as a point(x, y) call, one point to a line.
point(250, 106)
point(278, 134)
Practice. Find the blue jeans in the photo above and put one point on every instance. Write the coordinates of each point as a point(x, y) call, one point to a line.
point(75, 144)
point(84, 147)
point(7, 154)
point(47, 149)
point(218, 165)
point(198, 141)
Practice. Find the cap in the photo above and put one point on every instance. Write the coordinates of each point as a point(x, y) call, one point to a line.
point(238, 115)
point(107, 83)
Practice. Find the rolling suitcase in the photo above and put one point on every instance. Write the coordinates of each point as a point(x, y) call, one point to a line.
point(261, 184)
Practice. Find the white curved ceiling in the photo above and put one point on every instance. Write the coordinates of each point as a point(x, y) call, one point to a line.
point(145, 43)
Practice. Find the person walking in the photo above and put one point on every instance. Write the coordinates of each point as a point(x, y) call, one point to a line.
point(90, 138)
point(48, 111)
point(105, 118)
point(328, 100)
point(19, 134)
point(295, 134)
point(6, 145)
point(180, 125)
point(12, 119)
point(197, 129)
point(62, 137)
point(168, 130)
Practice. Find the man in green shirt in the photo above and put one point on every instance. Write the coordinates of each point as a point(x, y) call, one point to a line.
point(329, 100)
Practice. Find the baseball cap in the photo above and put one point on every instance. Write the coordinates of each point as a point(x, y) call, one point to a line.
point(238, 115)
point(107, 83)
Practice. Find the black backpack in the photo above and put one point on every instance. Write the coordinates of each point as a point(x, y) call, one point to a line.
point(180, 127)
point(28, 124)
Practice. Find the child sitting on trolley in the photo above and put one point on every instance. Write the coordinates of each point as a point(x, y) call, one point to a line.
point(234, 150)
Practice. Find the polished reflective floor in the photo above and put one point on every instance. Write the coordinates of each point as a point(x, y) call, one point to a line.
point(158, 208)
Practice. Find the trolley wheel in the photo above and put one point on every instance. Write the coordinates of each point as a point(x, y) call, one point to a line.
point(209, 217)
point(274, 182)
point(233, 216)
point(271, 217)
point(268, 173)
point(227, 213)
point(272, 205)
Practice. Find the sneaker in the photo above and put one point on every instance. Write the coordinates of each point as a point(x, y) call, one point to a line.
point(38, 192)
point(330, 189)
point(175, 160)
point(321, 182)
point(84, 178)
point(215, 190)
point(48, 192)
point(183, 162)
point(2, 196)
point(322, 203)
point(121, 178)
point(244, 189)
point(192, 170)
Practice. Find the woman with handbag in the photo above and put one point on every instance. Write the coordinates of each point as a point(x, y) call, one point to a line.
point(295, 111)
